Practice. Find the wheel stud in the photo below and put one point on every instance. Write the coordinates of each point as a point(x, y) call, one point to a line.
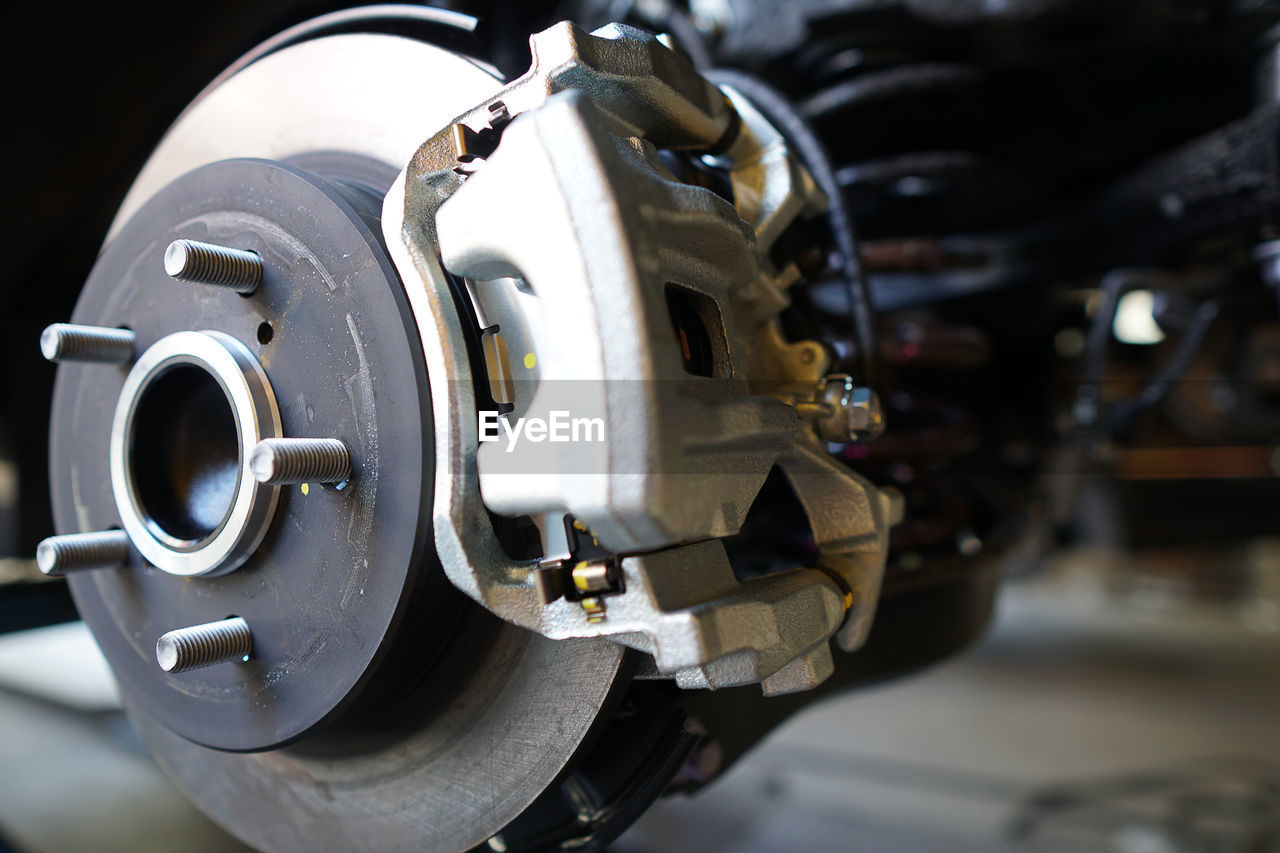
point(106, 549)
point(217, 266)
point(279, 461)
point(204, 645)
point(66, 342)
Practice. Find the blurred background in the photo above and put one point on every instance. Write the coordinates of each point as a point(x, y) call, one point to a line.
point(1127, 695)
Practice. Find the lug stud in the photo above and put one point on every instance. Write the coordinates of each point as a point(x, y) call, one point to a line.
point(106, 549)
point(280, 461)
point(66, 342)
point(204, 645)
point(217, 266)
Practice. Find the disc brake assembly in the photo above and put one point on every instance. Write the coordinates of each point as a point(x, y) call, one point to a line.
point(403, 422)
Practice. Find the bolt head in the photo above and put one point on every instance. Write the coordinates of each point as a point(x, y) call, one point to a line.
point(853, 413)
point(866, 417)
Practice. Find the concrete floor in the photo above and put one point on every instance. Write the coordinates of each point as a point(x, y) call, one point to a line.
point(1079, 724)
point(73, 775)
point(1082, 723)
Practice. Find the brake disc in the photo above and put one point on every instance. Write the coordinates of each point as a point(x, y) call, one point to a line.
point(441, 723)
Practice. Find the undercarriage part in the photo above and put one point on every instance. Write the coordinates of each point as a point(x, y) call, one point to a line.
point(388, 683)
point(452, 452)
point(408, 429)
point(196, 404)
point(556, 292)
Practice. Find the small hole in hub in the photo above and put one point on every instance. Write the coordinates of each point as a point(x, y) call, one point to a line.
point(265, 333)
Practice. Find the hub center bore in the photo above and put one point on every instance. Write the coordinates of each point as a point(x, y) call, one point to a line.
point(191, 410)
point(184, 455)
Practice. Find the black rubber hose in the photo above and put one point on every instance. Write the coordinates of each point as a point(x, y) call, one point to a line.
point(795, 127)
point(1172, 370)
point(879, 86)
point(688, 37)
point(1089, 396)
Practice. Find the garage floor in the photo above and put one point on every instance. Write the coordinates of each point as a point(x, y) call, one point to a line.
point(1085, 721)
point(1079, 724)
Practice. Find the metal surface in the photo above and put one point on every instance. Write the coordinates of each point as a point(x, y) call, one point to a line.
point(65, 342)
point(572, 236)
point(454, 763)
point(337, 571)
point(843, 412)
point(350, 99)
point(523, 703)
point(232, 509)
point(75, 552)
point(216, 266)
point(300, 460)
point(224, 641)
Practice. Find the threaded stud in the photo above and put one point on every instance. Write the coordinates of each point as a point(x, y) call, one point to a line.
point(184, 649)
point(280, 461)
point(106, 549)
point(218, 266)
point(67, 342)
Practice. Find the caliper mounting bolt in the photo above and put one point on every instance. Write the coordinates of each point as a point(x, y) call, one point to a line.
point(844, 411)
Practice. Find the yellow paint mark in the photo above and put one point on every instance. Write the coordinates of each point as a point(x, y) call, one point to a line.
point(530, 360)
point(579, 526)
point(595, 609)
point(306, 488)
point(848, 600)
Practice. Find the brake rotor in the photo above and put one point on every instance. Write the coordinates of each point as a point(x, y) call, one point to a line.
point(417, 720)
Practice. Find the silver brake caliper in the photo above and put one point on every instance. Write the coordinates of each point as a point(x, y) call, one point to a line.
point(637, 384)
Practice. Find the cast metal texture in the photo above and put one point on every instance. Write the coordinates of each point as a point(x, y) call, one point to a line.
point(431, 777)
point(568, 233)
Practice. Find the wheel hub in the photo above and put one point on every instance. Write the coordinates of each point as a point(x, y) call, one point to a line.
point(322, 348)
